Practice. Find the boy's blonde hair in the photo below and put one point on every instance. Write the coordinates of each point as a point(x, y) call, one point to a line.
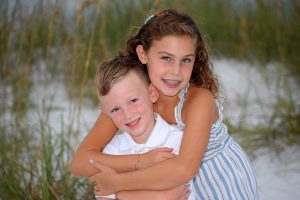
point(112, 71)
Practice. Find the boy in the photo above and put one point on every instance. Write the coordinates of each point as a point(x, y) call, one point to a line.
point(127, 97)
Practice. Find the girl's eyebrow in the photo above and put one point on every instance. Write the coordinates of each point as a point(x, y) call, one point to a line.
point(164, 52)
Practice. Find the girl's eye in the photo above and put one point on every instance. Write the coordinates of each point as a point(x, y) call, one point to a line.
point(115, 110)
point(133, 100)
point(186, 60)
point(166, 58)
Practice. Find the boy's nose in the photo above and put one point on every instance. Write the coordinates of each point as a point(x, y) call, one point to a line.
point(127, 113)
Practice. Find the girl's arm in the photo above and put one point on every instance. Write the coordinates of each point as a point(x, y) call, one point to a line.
point(198, 117)
point(178, 193)
point(181, 192)
point(92, 145)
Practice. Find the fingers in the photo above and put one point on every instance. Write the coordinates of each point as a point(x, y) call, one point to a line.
point(166, 152)
point(96, 191)
point(101, 167)
point(168, 155)
point(165, 149)
point(186, 192)
point(186, 195)
point(92, 179)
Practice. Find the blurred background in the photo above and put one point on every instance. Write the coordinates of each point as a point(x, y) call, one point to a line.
point(49, 50)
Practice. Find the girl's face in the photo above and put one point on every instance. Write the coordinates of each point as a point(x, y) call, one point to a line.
point(170, 62)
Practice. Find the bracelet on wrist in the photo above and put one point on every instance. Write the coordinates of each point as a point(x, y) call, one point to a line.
point(138, 164)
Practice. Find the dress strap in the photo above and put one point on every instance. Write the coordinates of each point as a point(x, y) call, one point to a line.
point(178, 108)
point(220, 111)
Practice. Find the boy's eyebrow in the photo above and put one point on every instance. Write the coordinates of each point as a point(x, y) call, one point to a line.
point(164, 52)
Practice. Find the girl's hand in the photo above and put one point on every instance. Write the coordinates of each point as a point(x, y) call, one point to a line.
point(102, 181)
point(178, 193)
point(155, 156)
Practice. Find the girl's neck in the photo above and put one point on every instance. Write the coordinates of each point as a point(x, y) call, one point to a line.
point(165, 107)
point(163, 99)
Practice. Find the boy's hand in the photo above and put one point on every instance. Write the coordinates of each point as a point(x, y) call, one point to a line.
point(155, 156)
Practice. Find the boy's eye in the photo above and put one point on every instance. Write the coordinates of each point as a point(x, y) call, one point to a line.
point(115, 110)
point(133, 100)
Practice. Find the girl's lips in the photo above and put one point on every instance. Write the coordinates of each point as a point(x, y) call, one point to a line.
point(171, 83)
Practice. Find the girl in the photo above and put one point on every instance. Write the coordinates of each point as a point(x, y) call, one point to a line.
point(170, 45)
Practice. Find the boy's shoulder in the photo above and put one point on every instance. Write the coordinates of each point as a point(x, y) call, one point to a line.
point(170, 130)
point(163, 123)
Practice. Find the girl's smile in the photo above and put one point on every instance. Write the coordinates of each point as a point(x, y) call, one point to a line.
point(170, 62)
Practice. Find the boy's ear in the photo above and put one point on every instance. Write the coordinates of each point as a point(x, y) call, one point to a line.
point(153, 93)
point(141, 54)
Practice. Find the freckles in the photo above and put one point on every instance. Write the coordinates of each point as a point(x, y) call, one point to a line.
point(118, 121)
point(138, 108)
point(116, 118)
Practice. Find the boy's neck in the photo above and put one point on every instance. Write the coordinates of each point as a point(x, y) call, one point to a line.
point(142, 139)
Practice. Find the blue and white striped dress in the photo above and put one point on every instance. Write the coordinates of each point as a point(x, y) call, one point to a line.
point(225, 171)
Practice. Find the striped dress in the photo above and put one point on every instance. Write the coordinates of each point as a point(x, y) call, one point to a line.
point(225, 171)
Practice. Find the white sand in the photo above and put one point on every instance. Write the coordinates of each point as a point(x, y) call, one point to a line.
point(278, 175)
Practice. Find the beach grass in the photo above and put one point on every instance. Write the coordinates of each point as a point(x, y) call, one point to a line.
point(34, 159)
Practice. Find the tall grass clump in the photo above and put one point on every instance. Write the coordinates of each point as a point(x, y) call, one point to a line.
point(34, 162)
point(260, 30)
point(281, 129)
point(99, 30)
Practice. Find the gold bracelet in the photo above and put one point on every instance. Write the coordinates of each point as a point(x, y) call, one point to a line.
point(138, 164)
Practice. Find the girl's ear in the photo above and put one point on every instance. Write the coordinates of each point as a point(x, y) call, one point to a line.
point(103, 110)
point(141, 54)
point(153, 93)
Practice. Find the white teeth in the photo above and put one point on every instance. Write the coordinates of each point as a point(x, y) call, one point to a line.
point(171, 82)
point(133, 122)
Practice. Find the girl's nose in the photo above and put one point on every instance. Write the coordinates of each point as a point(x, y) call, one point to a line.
point(176, 68)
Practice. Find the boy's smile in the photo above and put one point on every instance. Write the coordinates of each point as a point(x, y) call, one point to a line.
point(130, 105)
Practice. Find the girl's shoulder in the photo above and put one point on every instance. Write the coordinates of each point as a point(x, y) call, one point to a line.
point(198, 93)
point(197, 98)
point(200, 101)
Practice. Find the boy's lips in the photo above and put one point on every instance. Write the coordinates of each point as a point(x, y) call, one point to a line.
point(133, 123)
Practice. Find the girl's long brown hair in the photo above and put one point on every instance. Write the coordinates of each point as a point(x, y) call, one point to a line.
point(172, 22)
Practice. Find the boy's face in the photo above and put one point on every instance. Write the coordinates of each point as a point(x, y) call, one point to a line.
point(130, 105)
